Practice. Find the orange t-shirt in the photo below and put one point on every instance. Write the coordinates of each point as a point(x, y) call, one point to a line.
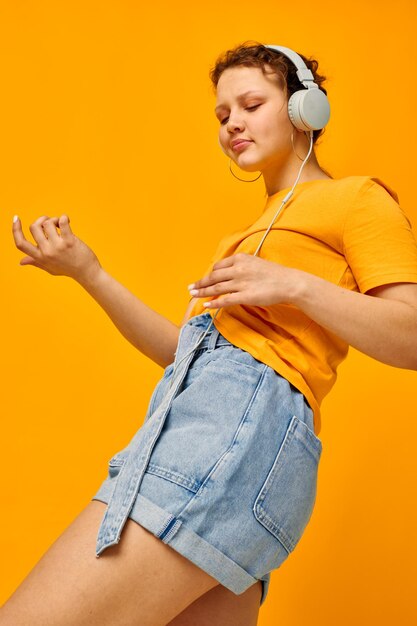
point(350, 231)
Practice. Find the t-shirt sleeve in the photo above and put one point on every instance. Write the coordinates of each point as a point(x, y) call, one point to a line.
point(379, 244)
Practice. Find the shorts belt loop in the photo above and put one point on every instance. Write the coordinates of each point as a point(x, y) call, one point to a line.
point(214, 334)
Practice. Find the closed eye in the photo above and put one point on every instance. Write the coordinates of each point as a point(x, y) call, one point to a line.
point(252, 108)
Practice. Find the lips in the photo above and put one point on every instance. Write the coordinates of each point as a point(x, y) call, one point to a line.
point(239, 143)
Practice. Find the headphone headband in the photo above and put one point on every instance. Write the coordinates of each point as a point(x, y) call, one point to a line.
point(305, 75)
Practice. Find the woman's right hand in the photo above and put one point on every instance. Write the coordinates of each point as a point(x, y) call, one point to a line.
point(58, 253)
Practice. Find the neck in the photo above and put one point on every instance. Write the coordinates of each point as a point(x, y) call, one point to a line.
point(281, 177)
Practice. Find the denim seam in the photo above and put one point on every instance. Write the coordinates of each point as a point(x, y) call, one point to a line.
point(165, 525)
point(214, 335)
point(172, 531)
point(286, 542)
point(252, 367)
point(175, 477)
point(226, 452)
point(114, 462)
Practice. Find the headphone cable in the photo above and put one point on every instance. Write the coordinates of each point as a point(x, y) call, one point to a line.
point(283, 202)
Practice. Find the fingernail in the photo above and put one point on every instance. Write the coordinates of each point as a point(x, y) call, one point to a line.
point(16, 217)
point(194, 292)
point(191, 286)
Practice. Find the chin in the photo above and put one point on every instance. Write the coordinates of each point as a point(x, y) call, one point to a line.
point(248, 166)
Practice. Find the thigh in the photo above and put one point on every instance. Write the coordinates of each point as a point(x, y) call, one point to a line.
point(138, 581)
point(221, 607)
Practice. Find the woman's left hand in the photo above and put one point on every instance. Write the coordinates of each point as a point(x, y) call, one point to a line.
point(246, 279)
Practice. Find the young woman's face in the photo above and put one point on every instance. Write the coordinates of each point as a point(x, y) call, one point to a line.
point(260, 117)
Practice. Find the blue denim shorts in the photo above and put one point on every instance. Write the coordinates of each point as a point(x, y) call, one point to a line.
point(224, 467)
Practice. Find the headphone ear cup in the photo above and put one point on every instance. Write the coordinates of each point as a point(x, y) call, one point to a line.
point(309, 109)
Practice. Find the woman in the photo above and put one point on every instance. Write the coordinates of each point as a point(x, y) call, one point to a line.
point(216, 488)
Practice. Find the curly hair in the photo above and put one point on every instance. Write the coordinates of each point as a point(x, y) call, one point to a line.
point(255, 54)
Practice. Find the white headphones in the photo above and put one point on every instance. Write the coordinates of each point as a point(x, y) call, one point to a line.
point(308, 109)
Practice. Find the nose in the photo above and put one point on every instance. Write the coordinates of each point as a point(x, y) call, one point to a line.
point(234, 123)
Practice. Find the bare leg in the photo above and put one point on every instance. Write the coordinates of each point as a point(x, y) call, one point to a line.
point(221, 607)
point(141, 580)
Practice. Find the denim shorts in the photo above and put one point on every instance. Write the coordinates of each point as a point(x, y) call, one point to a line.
point(224, 467)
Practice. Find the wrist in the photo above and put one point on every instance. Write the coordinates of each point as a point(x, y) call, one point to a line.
point(92, 277)
point(298, 287)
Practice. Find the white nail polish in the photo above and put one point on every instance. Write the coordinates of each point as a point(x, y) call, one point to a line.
point(16, 217)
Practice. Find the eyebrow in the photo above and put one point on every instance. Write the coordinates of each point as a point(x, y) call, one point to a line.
point(239, 98)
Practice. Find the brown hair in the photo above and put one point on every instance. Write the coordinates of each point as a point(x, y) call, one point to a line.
point(254, 54)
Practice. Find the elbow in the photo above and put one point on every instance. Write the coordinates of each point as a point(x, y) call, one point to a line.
point(411, 361)
point(407, 362)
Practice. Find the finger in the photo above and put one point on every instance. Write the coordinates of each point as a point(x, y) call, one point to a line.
point(217, 289)
point(27, 260)
point(62, 223)
point(38, 233)
point(49, 227)
point(22, 243)
point(64, 226)
point(214, 277)
point(226, 300)
point(234, 259)
point(226, 262)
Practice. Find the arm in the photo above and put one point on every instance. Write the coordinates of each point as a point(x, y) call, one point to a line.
point(64, 254)
point(151, 333)
point(381, 323)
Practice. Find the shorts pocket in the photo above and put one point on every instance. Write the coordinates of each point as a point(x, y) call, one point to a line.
point(286, 500)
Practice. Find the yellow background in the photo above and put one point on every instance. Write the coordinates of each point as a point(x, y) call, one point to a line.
point(107, 115)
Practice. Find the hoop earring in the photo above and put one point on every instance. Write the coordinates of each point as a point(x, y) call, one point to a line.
point(292, 142)
point(242, 179)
